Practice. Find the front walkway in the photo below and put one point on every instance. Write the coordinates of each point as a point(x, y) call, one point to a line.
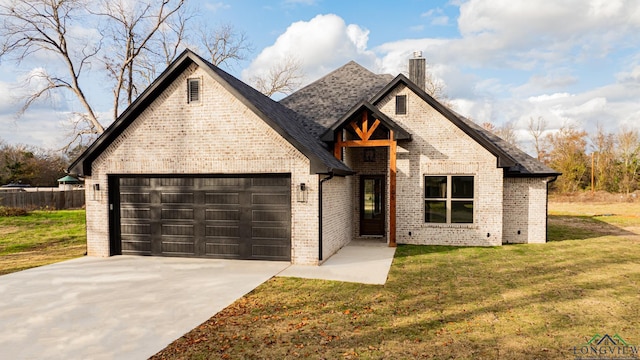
point(366, 261)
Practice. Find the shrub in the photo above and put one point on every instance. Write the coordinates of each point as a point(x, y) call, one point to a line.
point(12, 211)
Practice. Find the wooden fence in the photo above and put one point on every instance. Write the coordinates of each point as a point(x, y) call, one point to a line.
point(55, 199)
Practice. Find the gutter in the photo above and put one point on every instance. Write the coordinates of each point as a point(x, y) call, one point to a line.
point(320, 182)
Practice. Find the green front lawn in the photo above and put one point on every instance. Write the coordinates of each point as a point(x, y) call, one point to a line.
point(509, 302)
point(40, 238)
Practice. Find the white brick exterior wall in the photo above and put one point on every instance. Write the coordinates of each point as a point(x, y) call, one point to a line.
point(220, 135)
point(440, 148)
point(337, 217)
point(217, 135)
point(525, 210)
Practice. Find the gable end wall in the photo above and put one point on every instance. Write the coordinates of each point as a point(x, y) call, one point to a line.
point(218, 135)
point(439, 147)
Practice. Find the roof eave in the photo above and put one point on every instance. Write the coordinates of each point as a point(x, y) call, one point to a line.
point(504, 160)
point(82, 165)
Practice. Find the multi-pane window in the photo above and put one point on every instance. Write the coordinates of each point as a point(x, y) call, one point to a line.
point(193, 90)
point(448, 199)
point(401, 105)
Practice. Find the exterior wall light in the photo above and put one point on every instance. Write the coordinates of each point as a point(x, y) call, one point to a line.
point(302, 193)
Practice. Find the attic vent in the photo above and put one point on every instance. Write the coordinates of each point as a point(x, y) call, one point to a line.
point(193, 90)
point(401, 105)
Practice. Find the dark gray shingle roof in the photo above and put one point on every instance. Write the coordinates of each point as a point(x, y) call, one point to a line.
point(327, 99)
point(525, 163)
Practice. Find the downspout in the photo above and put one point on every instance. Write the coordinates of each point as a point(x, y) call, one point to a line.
point(320, 182)
point(546, 238)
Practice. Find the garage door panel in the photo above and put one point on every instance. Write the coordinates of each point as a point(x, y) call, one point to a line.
point(226, 231)
point(226, 248)
point(222, 198)
point(176, 247)
point(177, 197)
point(222, 217)
point(266, 215)
point(232, 182)
point(269, 252)
point(270, 199)
point(177, 214)
point(140, 246)
point(185, 182)
point(135, 198)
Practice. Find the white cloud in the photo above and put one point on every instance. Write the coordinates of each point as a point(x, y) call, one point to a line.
point(320, 44)
point(436, 16)
point(215, 6)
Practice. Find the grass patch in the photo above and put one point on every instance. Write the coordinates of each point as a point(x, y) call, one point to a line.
point(40, 238)
point(509, 302)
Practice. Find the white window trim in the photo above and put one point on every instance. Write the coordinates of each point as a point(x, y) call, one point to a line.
point(448, 199)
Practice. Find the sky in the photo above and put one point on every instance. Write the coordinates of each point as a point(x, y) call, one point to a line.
point(571, 62)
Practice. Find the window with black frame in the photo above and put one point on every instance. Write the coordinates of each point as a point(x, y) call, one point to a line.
point(448, 199)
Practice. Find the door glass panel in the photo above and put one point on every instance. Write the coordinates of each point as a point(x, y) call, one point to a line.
point(371, 198)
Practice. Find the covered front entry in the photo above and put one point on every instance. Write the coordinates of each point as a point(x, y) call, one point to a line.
point(232, 217)
point(366, 127)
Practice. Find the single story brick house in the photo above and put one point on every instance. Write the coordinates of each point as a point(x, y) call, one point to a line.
point(203, 165)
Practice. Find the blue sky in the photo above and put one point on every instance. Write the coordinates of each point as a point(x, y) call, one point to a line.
point(573, 62)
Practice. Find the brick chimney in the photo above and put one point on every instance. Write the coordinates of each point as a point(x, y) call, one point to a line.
point(417, 69)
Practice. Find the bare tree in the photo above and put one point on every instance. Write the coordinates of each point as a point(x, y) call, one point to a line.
point(506, 132)
point(284, 78)
point(43, 27)
point(136, 40)
point(604, 168)
point(536, 128)
point(223, 44)
point(131, 26)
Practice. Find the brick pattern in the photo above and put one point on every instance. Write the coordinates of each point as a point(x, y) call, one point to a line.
point(337, 219)
point(525, 211)
point(440, 148)
point(216, 135)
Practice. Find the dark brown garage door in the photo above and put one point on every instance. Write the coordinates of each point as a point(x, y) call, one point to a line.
point(246, 217)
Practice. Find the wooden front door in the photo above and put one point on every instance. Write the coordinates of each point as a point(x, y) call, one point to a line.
point(372, 206)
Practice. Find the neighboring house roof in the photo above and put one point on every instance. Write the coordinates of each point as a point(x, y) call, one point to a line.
point(280, 118)
point(68, 180)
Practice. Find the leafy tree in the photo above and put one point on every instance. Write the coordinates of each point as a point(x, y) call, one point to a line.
point(629, 159)
point(604, 161)
point(567, 155)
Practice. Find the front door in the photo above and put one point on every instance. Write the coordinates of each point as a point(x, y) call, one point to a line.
point(372, 207)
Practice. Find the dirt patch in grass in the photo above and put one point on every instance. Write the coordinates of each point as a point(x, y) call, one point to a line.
point(5, 230)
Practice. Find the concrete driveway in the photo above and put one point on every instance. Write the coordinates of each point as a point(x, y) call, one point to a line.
point(123, 307)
